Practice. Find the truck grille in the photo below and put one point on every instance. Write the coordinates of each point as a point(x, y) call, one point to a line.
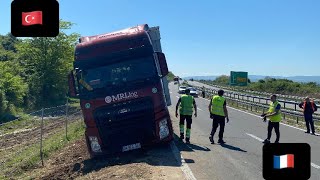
point(125, 123)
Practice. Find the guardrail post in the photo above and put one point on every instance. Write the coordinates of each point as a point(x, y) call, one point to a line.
point(295, 107)
point(297, 119)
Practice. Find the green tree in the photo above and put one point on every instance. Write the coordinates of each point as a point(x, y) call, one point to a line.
point(170, 76)
point(285, 86)
point(12, 89)
point(8, 42)
point(222, 80)
point(47, 62)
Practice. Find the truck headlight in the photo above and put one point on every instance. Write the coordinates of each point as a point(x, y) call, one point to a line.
point(94, 143)
point(163, 129)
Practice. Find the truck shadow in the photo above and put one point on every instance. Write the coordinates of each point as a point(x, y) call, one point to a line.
point(159, 155)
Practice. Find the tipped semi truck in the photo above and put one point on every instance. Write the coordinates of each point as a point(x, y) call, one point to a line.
point(120, 79)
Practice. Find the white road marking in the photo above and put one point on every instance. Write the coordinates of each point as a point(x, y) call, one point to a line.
point(184, 166)
point(205, 99)
point(261, 140)
point(199, 109)
point(255, 137)
point(260, 117)
point(315, 166)
point(170, 92)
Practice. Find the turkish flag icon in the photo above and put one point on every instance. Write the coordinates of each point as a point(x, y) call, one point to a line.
point(31, 18)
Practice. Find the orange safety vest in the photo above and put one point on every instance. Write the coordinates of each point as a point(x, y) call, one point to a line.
point(312, 105)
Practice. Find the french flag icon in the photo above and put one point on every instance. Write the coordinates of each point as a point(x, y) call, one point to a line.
point(283, 161)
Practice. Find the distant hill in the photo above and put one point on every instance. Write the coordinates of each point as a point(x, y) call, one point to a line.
point(255, 78)
point(201, 77)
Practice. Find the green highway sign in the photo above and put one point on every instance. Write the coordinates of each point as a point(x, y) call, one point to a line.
point(238, 78)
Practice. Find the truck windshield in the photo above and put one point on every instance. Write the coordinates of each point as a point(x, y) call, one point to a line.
point(118, 74)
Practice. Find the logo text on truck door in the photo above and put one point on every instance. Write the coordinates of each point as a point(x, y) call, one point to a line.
point(118, 97)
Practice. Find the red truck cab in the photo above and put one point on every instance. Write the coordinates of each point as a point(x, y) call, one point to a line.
point(120, 79)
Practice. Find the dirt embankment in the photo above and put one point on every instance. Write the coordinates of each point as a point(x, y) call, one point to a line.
point(73, 162)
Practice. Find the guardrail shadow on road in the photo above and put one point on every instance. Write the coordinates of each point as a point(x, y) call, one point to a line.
point(228, 146)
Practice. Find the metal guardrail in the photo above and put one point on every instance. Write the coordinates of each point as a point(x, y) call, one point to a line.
point(262, 93)
point(245, 100)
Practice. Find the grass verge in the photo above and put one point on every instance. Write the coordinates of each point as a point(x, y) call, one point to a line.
point(24, 122)
point(29, 158)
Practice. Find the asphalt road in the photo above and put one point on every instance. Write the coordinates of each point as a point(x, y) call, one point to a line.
point(290, 106)
point(241, 157)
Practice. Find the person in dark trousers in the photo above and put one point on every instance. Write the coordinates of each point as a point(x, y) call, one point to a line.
point(218, 114)
point(186, 103)
point(309, 107)
point(203, 92)
point(274, 116)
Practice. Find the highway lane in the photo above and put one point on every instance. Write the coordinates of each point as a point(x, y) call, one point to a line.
point(241, 157)
point(286, 105)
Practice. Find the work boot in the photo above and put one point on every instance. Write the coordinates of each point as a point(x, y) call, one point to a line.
point(181, 137)
point(188, 140)
point(211, 139)
point(220, 141)
point(276, 142)
point(266, 141)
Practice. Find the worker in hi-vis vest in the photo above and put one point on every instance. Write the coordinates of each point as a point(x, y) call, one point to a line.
point(218, 114)
point(186, 104)
point(274, 115)
point(309, 107)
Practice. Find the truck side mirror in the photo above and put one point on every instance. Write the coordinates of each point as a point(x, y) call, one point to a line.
point(72, 87)
point(163, 64)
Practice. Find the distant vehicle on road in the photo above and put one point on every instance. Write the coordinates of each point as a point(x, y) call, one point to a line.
point(182, 89)
point(193, 92)
point(176, 80)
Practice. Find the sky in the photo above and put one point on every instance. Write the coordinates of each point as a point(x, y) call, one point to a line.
point(210, 37)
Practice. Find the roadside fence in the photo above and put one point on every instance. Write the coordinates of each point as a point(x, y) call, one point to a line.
point(290, 109)
point(263, 94)
point(25, 138)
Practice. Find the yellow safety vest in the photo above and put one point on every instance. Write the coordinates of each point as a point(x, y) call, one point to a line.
point(217, 105)
point(272, 108)
point(186, 105)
